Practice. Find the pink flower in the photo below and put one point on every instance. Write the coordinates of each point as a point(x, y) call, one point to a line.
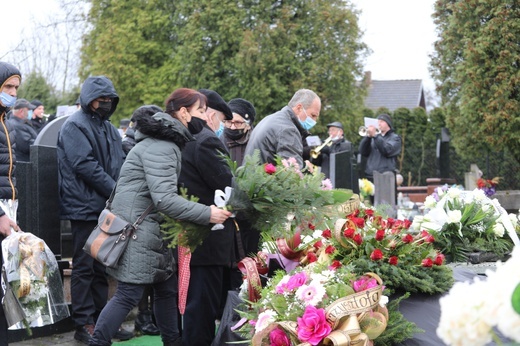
point(296, 281)
point(270, 168)
point(326, 184)
point(278, 338)
point(364, 283)
point(312, 326)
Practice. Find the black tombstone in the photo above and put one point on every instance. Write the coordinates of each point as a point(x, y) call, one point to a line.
point(443, 154)
point(343, 171)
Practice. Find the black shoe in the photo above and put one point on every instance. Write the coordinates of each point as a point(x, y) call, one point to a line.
point(123, 334)
point(144, 324)
point(84, 333)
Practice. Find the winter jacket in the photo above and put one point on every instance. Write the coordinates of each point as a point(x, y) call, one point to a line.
point(38, 124)
point(7, 142)
point(129, 140)
point(203, 172)
point(323, 160)
point(25, 136)
point(382, 152)
point(149, 175)
point(278, 134)
point(90, 155)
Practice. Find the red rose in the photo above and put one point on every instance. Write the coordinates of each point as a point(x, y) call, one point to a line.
point(349, 232)
point(358, 239)
point(439, 259)
point(311, 226)
point(318, 244)
point(427, 263)
point(369, 212)
point(360, 222)
point(376, 255)
point(427, 237)
point(380, 234)
point(393, 260)
point(335, 265)
point(311, 257)
point(390, 222)
point(270, 168)
point(330, 249)
point(407, 239)
point(327, 234)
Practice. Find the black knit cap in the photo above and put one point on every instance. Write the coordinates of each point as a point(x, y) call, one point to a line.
point(36, 103)
point(216, 101)
point(386, 118)
point(244, 108)
point(147, 110)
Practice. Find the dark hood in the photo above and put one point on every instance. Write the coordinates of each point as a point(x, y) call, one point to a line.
point(161, 126)
point(7, 71)
point(95, 87)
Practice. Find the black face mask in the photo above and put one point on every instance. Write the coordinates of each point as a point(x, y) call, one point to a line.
point(234, 134)
point(104, 108)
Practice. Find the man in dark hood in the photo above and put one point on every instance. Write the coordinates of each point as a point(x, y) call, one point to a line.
point(90, 156)
point(10, 79)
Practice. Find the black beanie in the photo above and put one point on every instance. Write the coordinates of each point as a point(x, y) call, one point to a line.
point(36, 103)
point(244, 108)
point(386, 118)
point(216, 102)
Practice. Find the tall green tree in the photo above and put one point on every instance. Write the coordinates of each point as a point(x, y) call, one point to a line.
point(259, 50)
point(477, 67)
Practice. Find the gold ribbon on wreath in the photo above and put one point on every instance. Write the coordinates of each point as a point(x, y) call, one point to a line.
point(344, 315)
point(341, 225)
point(30, 249)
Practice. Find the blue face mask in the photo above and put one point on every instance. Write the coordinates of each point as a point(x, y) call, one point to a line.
point(29, 114)
point(7, 100)
point(220, 130)
point(308, 123)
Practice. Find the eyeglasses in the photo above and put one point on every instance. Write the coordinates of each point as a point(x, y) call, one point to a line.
point(238, 124)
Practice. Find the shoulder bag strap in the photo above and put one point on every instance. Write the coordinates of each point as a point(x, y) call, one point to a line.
point(109, 201)
point(143, 215)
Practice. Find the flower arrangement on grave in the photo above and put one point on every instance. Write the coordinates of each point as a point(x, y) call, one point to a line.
point(465, 221)
point(318, 304)
point(472, 311)
point(273, 198)
point(366, 189)
point(405, 260)
point(489, 186)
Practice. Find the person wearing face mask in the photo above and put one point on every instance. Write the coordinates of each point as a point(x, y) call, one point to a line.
point(203, 172)
point(237, 130)
point(283, 132)
point(90, 156)
point(24, 132)
point(338, 144)
point(10, 79)
point(36, 118)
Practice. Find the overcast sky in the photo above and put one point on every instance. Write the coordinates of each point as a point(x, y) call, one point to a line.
point(399, 32)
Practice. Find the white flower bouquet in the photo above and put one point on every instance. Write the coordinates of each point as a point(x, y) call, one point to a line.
point(464, 222)
point(31, 272)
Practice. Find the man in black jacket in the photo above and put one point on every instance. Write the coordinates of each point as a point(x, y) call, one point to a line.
point(337, 144)
point(204, 171)
point(24, 132)
point(90, 156)
point(10, 79)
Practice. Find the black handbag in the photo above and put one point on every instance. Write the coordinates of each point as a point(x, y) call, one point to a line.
point(110, 237)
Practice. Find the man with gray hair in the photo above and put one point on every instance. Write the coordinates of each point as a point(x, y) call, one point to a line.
point(283, 132)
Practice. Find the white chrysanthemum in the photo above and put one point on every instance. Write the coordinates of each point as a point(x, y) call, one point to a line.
point(311, 294)
point(499, 229)
point(430, 202)
point(461, 321)
point(417, 221)
point(478, 195)
point(264, 319)
point(514, 219)
point(454, 216)
point(435, 219)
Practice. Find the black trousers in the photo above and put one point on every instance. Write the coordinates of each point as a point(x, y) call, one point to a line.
point(89, 281)
point(3, 321)
point(203, 304)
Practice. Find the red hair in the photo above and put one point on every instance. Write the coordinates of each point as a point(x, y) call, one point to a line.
point(183, 97)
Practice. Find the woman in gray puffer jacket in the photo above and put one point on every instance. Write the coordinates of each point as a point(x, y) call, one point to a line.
point(149, 175)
